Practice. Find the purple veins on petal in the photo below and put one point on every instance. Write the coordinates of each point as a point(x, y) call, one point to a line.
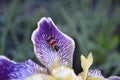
point(12, 70)
point(94, 73)
point(43, 50)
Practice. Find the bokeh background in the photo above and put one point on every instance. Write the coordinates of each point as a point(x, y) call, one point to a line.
point(93, 24)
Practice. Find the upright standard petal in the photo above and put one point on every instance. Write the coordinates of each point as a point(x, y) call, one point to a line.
point(12, 70)
point(59, 44)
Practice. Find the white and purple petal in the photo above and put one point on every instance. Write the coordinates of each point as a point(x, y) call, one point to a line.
point(12, 70)
point(96, 74)
point(45, 53)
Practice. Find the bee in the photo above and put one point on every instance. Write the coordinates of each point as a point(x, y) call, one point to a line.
point(52, 43)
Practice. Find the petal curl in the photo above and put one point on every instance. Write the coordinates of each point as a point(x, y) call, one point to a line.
point(44, 51)
point(114, 78)
point(12, 70)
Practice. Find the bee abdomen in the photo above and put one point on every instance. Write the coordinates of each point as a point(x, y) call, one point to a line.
point(52, 43)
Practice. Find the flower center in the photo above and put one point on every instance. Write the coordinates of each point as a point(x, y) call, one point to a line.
point(63, 73)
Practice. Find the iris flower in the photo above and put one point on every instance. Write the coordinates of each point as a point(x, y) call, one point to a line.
point(57, 63)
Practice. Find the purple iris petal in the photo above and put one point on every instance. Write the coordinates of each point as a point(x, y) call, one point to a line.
point(43, 50)
point(95, 72)
point(12, 70)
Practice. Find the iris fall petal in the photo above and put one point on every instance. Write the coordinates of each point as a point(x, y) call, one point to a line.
point(10, 70)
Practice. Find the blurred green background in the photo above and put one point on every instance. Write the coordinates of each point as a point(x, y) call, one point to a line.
point(93, 24)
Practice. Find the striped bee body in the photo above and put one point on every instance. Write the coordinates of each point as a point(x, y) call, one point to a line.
point(52, 43)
